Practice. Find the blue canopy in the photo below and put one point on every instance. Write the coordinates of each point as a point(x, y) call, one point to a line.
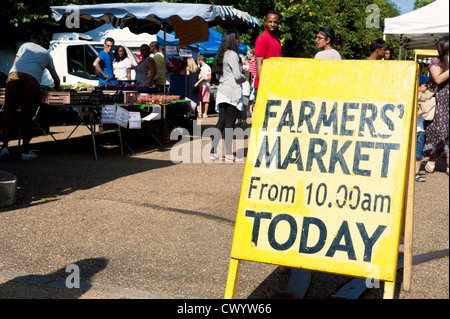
point(190, 21)
point(207, 48)
point(172, 41)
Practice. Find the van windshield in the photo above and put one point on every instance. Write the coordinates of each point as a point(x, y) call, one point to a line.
point(81, 61)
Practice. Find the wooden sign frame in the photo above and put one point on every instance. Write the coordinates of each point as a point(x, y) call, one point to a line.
point(287, 84)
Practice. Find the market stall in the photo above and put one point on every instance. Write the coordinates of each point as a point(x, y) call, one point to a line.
point(189, 21)
point(116, 108)
point(421, 28)
point(129, 106)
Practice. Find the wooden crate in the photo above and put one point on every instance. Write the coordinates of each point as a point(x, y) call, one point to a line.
point(86, 98)
point(112, 97)
point(55, 97)
point(130, 97)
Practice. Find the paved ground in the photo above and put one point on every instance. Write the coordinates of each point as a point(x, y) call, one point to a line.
point(140, 226)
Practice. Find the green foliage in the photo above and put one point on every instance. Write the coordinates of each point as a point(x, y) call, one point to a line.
point(302, 20)
point(421, 3)
point(23, 17)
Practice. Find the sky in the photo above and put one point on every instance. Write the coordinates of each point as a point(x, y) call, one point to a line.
point(404, 5)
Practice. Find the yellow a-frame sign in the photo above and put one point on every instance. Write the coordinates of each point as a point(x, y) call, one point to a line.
point(330, 161)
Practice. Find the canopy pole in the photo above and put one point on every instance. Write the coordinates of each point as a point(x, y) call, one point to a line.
point(164, 52)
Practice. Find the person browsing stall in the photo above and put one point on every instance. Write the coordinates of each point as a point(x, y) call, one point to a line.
point(192, 74)
point(122, 64)
point(252, 69)
point(229, 100)
point(377, 49)
point(267, 45)
point(158, 77)
point(23, 89)
point(423, 97)
point(145, 68)
point(389, 54)
point(325, 41)
point(204, 84)
point(437, 132)
point(104, 62)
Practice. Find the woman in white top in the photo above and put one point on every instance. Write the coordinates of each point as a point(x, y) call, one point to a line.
point(229, 100)
point(325, 40)
point(122, 64)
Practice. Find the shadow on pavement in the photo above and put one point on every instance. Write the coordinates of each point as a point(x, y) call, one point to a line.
point(54, 285)
point(67, 166)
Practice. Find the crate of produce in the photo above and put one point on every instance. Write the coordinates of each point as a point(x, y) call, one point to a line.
point(112, 97)
point(86, 97)
point(130, 97)
point(55, 97)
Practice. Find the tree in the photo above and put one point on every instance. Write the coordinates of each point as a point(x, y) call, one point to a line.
point(421, 3)
point(21, 18)
point(302, 20)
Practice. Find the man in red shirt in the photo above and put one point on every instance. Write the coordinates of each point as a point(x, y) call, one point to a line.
point(267, 44)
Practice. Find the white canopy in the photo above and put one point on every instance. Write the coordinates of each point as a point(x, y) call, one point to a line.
point(421, 28)
point(124, 36)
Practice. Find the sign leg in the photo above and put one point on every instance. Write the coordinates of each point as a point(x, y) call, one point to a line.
point(233, 274)
point(389, 289)
point(408, 210)
point(408, 254)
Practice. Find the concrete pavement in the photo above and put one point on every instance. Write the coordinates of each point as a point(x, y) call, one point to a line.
point(141, 226)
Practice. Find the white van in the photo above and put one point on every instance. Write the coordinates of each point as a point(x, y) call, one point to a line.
point(74, 61)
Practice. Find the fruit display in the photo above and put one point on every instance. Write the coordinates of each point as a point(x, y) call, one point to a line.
point(157, 99)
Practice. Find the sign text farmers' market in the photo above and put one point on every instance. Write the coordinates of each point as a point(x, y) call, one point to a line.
point(340, 120)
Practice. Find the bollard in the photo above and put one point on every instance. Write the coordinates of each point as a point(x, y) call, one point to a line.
point(8, 189)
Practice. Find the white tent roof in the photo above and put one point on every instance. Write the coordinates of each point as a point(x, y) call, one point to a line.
point(124, 36)
point(421, 28)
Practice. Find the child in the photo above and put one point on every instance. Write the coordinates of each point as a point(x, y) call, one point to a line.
point(420, 133)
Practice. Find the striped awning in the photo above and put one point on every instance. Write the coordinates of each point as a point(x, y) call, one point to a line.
point(229, 12)
point(190, 21)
